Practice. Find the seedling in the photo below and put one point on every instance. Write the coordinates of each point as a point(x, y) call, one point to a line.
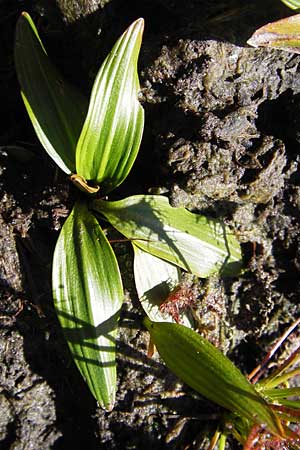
point(95, 143)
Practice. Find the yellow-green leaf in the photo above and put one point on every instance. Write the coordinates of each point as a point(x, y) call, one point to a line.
point(113, 128)
point(293, 4)
point(196, 243)
point(88, 295)
point(283, 34)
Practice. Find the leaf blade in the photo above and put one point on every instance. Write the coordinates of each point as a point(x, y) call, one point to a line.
point(293, 4)
point(88, 294)
point(56, 109)
point(195, 243)
point(112, 132)
point(283, 34)
point(199, 364)
point(154, 280)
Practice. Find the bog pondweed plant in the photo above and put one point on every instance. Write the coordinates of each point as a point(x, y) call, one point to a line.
point(95, 143)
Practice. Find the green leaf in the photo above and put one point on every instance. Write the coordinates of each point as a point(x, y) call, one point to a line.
point(57, 111)
point(283, 34)
point(293, 4)
point(203, 367)
point(88, 295)
point(112, 132)
point(277, 394)
point(154, 280)
point(196, 243)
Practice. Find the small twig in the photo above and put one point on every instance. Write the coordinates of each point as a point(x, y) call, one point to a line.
point(260, 369)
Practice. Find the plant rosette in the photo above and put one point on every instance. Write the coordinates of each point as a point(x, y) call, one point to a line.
point(96, 143)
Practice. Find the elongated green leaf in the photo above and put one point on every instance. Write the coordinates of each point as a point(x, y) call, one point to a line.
point(88, 294)
point(56, 109)
point(276, 394)
point(199, 364)
point(112, 132)
point(154, 280)
point(195, 243)
point(283, 34)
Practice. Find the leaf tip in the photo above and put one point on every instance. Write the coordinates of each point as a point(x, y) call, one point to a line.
point(138, 27)
point(25, 15)
point(140, 23)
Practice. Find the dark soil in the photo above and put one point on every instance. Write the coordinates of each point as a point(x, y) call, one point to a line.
point(221, 138)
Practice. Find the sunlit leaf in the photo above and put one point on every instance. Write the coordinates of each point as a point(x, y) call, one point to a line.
point(293, 4)
point(154, 279)
point(56, 109)
point(112, 132)
point(283, 34)
point(203, 367)
point(196, 243)
point(88, 294)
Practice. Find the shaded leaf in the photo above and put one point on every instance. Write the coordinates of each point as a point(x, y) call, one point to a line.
point(154, 280)
point(88, 295)
point(203, 367)
point(196, 243)
point(283, 34)
point(112, 132)
point(56, 109)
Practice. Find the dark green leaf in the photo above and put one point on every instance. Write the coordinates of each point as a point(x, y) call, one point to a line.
point(112, 132)
point(199, 364)
point(56, 109)
point(88, 295)
point(277, 394)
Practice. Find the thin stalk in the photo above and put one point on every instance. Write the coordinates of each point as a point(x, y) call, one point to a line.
point(214, 440)
point(255, 375)
point(222, 442)
point(275, 379)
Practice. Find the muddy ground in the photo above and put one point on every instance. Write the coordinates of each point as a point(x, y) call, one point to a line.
point(221, 138)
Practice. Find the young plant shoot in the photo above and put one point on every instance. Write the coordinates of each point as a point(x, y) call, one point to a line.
point(96, 144)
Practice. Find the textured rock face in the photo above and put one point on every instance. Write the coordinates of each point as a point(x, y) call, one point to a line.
point(217, 144)
point(73, 10)
point(221, 138)
point(222, 135)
